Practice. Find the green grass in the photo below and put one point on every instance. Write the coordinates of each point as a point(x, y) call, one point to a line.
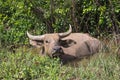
point(25, 65)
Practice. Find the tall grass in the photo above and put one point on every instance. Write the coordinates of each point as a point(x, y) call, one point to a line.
point(24, 65)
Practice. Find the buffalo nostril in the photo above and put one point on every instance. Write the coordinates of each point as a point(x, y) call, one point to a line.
point(57, 49)
point(57, 53)
point(61, 50)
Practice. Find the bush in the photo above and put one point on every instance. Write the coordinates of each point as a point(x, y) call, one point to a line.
point(27, 66)
point(95, 17)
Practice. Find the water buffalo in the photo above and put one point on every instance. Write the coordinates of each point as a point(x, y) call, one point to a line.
point(67, 46)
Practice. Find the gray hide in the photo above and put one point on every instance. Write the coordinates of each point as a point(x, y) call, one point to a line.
point(67, 46)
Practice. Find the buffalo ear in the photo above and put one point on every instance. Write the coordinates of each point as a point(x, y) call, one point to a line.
point(67, 43)
point(36, 43)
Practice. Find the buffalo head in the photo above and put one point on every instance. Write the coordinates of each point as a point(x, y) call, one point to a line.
point(50, 43)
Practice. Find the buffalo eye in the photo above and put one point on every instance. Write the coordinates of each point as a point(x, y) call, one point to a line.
point(47, 41)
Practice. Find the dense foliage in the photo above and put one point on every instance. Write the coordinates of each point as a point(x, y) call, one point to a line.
point(100, 17)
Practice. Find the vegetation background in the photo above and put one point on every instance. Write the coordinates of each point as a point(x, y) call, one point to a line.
point(100, 18)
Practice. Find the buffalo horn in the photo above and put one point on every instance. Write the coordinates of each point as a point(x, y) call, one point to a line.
point(32, 37)
point(66, 33)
